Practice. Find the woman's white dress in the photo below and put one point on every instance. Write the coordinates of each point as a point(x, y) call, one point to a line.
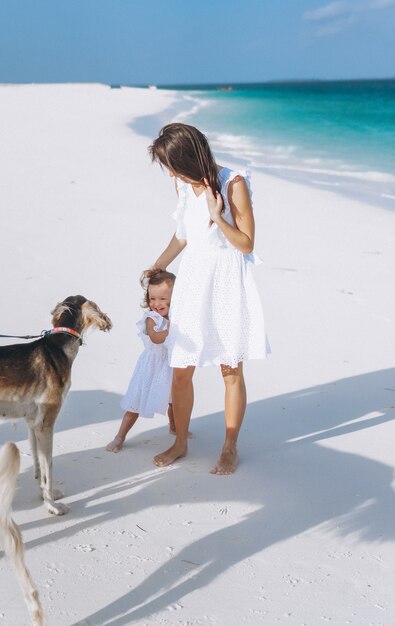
point(149, 390)
point(216, 314)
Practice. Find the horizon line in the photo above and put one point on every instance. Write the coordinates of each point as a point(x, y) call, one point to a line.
point(204, 84)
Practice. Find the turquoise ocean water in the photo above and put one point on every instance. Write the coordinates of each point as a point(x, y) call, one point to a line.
point(335, 134)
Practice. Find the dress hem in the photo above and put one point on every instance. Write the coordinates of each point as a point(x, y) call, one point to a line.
point(126, 407)
point(218, 361)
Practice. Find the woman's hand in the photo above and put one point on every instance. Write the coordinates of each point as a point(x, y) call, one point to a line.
point(214, 203)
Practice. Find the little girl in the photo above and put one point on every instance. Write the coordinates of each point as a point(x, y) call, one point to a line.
point(216, 315)
point(150, 385)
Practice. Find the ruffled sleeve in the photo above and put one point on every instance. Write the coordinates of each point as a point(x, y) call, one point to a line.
point(178, 214)
point(160, 325)
point(230, 175)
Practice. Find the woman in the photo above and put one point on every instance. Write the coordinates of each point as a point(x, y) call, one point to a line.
point(216, 316)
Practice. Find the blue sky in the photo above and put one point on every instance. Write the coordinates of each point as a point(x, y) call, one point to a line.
point(181, 41)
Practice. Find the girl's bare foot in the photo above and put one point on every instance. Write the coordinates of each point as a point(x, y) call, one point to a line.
point(172, 454)
point(115, 445)
point(227, 462)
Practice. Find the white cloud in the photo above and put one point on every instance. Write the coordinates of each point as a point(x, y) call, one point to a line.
point(335, 17)
point(334, 9)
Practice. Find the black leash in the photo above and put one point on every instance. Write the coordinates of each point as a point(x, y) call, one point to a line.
point(23, 336)
point(45, 333)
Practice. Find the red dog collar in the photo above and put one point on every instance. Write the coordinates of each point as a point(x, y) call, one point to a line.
point(63, 329)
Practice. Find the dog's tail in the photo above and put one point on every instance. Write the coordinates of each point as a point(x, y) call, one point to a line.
point(9, 470)
point(10, 533)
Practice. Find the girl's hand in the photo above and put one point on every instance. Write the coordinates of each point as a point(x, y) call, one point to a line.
point(214, 203)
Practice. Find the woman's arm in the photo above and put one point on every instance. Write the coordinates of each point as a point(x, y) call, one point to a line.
point(241, 236)
point(173, 249)
point(156, 337)
point(170, 253)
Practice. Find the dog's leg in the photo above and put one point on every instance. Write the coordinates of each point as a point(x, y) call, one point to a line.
point(44, 437)
point(56, 493)
point(33, 445)
point(13, 544)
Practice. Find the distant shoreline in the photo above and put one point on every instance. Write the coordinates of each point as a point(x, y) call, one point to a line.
point(259, 84)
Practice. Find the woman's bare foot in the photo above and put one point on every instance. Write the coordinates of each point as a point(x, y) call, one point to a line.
point(172, 454)
point(115, 445)
point(227, 462)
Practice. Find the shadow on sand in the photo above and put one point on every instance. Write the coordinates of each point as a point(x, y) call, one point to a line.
point(293, 482)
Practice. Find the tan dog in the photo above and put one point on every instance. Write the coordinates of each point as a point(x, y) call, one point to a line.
point(10, 535)
point(35, 379)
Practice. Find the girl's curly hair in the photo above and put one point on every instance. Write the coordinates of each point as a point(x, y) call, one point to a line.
point(154, 277)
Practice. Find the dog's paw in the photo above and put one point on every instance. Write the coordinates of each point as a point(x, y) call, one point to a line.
point(58, 509)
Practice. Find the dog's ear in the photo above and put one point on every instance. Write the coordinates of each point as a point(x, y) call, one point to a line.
point(94, 317)
point(58, 311)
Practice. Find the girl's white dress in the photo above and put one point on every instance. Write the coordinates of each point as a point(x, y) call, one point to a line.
point(149, 389)
point(216, 314)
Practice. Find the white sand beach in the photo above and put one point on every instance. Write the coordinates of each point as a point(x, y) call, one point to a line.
point(303, 533)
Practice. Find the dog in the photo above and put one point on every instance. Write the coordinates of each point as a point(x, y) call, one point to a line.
point(35, 379)
point(10, 535)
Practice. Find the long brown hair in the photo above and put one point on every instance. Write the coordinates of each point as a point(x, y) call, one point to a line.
point(154, 277)
point(185, 151)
